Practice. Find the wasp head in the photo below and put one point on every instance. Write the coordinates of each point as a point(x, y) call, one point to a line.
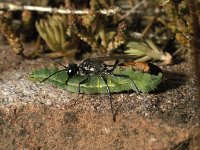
point(72, 70)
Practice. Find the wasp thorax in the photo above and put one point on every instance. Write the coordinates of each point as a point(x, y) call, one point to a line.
point(92, 66)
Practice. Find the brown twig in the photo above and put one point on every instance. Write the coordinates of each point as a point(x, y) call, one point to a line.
point(148, 27)
point(13, 7)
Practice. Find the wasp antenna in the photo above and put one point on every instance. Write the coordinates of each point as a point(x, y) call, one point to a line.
point(52, 75)
point(48, 59)
point(71, 62)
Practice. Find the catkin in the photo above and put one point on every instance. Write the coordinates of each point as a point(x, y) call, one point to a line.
point(10, 34)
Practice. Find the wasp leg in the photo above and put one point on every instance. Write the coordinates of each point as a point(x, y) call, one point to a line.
point(52, 75)
point(126, 76)
point(109, 94)
point(113, 66)
point(66, 82)
point(82, 82)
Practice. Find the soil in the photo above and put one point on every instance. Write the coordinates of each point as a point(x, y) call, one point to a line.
point(40, 116)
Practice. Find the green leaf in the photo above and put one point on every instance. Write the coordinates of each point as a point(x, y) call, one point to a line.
point(145, 82)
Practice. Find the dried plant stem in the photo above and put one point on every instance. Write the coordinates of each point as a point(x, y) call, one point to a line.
point(13, 7)
point(133, 9)
point(148, 27)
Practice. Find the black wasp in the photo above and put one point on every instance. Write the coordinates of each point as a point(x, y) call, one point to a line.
point(92, 66)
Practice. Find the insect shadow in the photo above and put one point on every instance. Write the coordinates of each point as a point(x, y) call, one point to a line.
point(90, 67)
point(172, 80)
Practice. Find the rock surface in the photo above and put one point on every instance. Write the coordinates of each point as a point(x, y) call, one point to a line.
point(41, 116)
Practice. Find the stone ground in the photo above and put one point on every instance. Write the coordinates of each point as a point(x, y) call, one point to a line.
point(41, 116)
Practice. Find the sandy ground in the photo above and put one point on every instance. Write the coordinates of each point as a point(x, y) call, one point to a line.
point(41, 116)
